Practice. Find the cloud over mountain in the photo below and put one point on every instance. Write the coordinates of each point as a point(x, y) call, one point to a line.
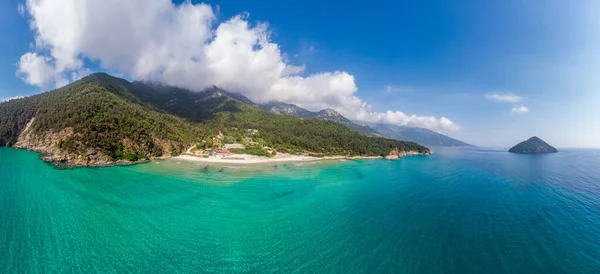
point(184, 45)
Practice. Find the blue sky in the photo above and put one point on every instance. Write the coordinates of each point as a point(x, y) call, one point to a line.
point(427, 58)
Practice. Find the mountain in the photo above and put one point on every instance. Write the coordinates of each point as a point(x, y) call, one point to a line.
point(287, 109)
point(415, 134)
point(334, 116)
point(326, 114)
point(94, 121)
point(104, 120)
point(533, 145)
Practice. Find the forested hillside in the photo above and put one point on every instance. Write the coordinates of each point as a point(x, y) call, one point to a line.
point(103, 118)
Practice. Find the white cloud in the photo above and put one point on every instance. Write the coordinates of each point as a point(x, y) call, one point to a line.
point(519, 109)
point(21, 9)
point(183, 45)
point(38, 70)
point(400, 118)
point(10, 98)
point(509, 97)
point(392, 89)
point(293, 70)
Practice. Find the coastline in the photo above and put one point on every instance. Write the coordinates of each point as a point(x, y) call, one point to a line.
point(73, 160)
point(46, 146)
point(246, 159)
point(281, 157)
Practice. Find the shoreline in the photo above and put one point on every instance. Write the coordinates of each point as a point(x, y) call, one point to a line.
point(280, 157)
point(246, 159)
point(243, 159)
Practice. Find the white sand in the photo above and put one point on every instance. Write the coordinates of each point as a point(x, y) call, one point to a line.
point(248, 159)
point(280, 157)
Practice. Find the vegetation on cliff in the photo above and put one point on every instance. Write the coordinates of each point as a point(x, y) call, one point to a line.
point(103, 119)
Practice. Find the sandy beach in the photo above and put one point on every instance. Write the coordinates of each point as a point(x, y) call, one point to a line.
point(280, 157)
point(248, 159)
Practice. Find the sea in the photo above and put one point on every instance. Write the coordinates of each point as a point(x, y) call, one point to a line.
point(461, 210)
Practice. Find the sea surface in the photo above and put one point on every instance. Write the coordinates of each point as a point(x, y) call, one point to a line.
point(458, 211)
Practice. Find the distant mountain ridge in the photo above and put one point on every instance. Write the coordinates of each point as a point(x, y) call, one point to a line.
point(416, 134)
point(287, 109)
point(325, 114)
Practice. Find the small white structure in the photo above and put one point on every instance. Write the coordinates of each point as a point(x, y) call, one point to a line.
point(235, 145)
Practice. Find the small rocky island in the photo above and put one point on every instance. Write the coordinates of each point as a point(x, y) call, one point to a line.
point(534, 145)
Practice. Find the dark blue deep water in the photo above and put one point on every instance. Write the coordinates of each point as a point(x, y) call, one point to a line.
point(458, 211)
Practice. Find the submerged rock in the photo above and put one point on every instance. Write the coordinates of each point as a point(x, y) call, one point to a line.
point(533, 145)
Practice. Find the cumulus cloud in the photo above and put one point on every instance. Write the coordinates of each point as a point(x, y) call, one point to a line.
point(10, 98)
point(38, 70)
point(402, 119)
point(509, 97)
point(184, 45)
point(519, 109)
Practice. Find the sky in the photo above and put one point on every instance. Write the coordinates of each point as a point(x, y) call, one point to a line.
point(490, 73)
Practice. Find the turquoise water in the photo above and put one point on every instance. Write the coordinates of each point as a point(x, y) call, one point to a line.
point(459, 211)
